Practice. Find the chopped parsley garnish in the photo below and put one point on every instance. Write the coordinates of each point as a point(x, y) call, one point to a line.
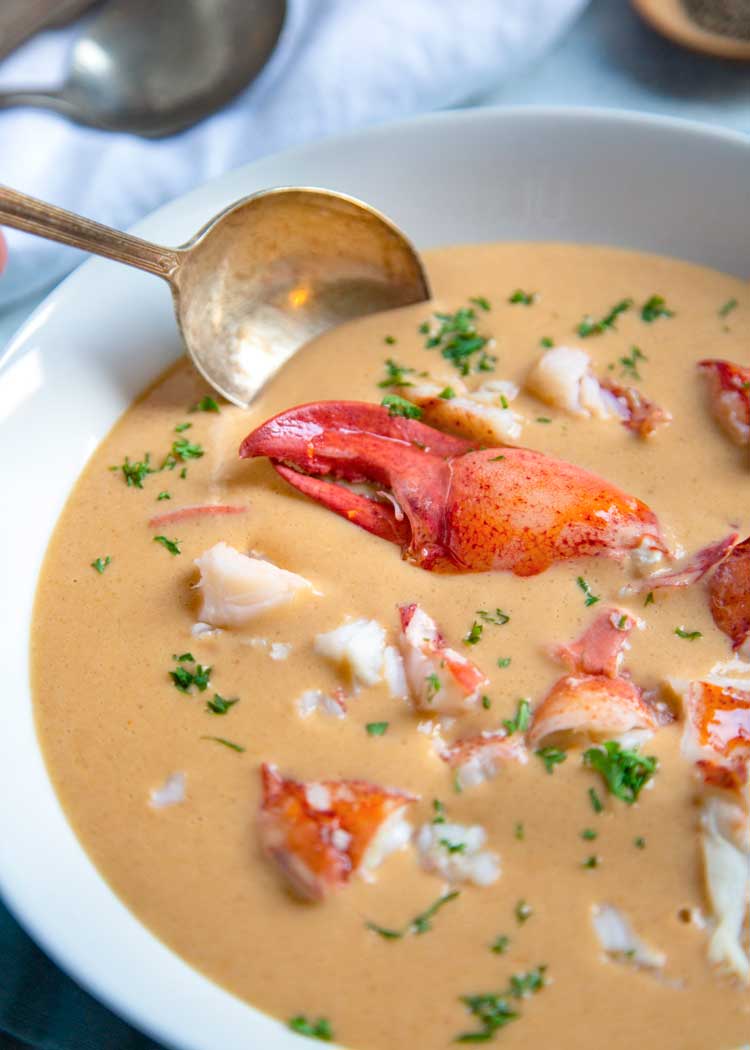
point(219, 705)
point(630, 362)
point(433, 686)
point(100, 564)
point(389, 340)
point(503, 401)
point(457, 786)
point(458, 340)
point(551, 756)
point(399, 406)
point(640, 842)
point(184, 679)
point(591, 599)
point(622, 623)
point(520, 723)
point(547, 341)
point(596, 803)
point(496, 459)
point(729, 305)
point(439, 810)
point(503, 661)
point(376, 728)
point(226, 743)
point(589, 834)
point(480, 301)
point(421, 923)
point(500, 945)
point(453, 847)
point(173, 546)
point(691, 636)
point(181, 427)
point(206, 404)
point(184, 449)
point(523, 912)
point(589, 326)
point(320, 1029)
point(495, 1011)
point(475, 634)
point(395, 374)
point(519, 296)
point(447, 393)
point(498, 617)
point(625, 772)
point(655, 307)
point(134, 473)
point(183, 473)
point(163, 495)
point(486, 703)
point(519, 831)
point(591, 862)
point(543, 419)
point(649, 598)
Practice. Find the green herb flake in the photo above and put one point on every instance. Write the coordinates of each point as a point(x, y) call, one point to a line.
point(395, 374)
point(729, 305)
point(649, 598)
point(496, 459)
point(523, 912)
point(421, 923)
point(591, 598)
point(503, 661)
point(457, 786)
point(206, 404)
point(184, 679)
point(162, 496)
point(589, 326)
point(399, 406)
point(524, 298)
point(519, 831)
point(639, 842)
point(551, 756)
point(459, 342)
point(547, 342)
point(184, 450)
point(498, 617)
point(225, 743)
point(389, 340)
point(522, 719)
point(173, 546)
point(183, 473)
point(474, 635)
point(376, 728)
point(596, 803)
point(629, 363)
point(135, 473)
point(453, 847)
point(625, 772)
point(447, 393)
point(690, 636)
point(220, 705)
point(486, 703)
point(500, 945)
point(589, 834)
point(654, 308)
point(481, 302)
point(591, 862)
point(320, 1029)
point(100, 564)
point(433, 687)
point(182, 427)
point(543, 419)
point(439, 810)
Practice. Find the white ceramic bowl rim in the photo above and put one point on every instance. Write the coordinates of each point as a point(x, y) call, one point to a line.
point(529, 174)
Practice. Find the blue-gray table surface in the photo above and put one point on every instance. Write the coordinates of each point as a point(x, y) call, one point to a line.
point(609, 58)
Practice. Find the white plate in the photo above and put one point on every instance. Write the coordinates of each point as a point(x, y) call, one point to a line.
point(653, 184)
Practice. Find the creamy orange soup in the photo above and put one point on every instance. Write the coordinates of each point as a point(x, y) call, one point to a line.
point(114, 726)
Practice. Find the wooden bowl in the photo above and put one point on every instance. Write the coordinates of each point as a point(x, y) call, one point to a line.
point(670, 18)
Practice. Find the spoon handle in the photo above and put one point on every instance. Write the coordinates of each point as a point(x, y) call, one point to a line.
point(55, 224)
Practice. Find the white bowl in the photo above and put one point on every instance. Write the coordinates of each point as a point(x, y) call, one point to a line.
point(485, 175)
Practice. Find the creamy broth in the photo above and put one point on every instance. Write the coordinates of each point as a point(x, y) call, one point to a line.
point(113, 726)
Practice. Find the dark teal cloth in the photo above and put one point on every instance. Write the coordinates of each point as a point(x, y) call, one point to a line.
point(42, 1009)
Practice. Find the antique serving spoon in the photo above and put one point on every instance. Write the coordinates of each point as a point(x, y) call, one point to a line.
point(261, 278)
point(154, 68)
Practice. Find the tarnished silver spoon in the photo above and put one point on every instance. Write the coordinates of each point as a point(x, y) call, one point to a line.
point(261, 278)
point(154, 67)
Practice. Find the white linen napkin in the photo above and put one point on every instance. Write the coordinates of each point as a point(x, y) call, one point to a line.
point(339, 65)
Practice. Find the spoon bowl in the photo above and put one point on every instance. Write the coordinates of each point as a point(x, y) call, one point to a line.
point(261, 279)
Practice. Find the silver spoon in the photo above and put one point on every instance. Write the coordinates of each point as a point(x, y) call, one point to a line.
point(261, 278)
point(154, 67)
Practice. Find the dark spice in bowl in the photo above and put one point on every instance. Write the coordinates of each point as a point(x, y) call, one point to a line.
point(727, 17)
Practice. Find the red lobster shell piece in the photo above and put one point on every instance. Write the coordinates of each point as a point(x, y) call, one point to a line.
point(729, 591)
point(717, 731)
point(601, 647)
point(459, 508)
point(729, 391)
point(321, 833)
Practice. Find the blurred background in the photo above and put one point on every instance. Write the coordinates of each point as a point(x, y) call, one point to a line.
point(112, 108)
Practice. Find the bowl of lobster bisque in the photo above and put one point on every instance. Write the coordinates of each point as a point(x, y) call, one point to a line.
point(412, 704)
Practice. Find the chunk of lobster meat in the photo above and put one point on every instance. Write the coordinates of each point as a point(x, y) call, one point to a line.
point(460, 509)
point(332, 704)
point(595, 708)
point(235, 588)
point(456, 853)
point(620, 942)
point(601, 647)
point(725, 847)
point(321, 833)
point(637, 412)
point(195, 512)
point(439, 678)
point(729, 594)
point(357, 647)
point(484, 415)
point(716, 734)
point(481, 757)
point(562, 377)
point(729, 393)
point(692, 569)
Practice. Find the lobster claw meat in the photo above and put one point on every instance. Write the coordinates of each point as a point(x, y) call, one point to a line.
point(451, 506)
